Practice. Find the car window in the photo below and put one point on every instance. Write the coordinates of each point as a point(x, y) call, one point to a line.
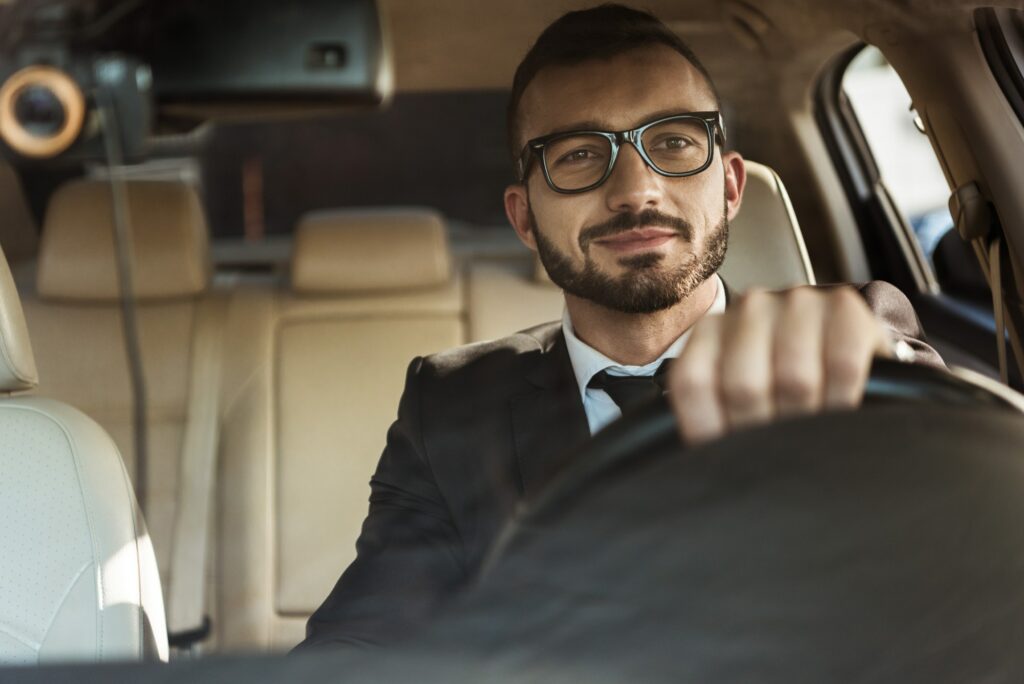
point(904, 156)
point(443, 150)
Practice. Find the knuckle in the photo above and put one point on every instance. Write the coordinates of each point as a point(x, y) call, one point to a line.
point(845, 369)
point(798, 297)
point(752, 299)
point(797, 386)
point(687, 378)
point(790, 352)
point(744, 393)
point(846, 298)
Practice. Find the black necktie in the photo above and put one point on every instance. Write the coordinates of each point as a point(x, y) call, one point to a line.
point(630, 390)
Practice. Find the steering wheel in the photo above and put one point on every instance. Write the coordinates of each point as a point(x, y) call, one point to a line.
point(651, 428)
point(882, 544)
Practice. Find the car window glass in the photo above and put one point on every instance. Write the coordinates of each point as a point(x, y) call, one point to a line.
point(443, 150)
point(905, 159)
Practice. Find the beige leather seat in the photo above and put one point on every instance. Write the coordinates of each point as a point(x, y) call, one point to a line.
point(72, 304)
point(78, 579)
point(766, 249)
point(370, 290)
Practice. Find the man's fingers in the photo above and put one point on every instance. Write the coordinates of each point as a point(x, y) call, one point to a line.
point(746, 371)
point(799, 352)
point(775, 355)
point(693, 384)
point(852, 336)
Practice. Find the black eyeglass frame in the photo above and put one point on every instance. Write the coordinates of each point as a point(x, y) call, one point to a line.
point(713, 124)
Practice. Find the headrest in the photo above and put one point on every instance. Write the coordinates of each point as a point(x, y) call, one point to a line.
point(170, 245)
point(766, 247)
point(369, 250)
point(17, 364)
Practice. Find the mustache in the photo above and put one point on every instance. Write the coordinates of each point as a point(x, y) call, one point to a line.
point(621, 223)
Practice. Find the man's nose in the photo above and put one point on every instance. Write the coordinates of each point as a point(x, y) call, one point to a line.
point(633, 185)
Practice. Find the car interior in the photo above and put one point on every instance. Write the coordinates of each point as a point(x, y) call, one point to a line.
point(199, 368)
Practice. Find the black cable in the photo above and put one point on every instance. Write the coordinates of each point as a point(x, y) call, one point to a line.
point(126, 283)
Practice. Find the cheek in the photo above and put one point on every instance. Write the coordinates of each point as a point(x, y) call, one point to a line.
point(702, 202)
point(560, 219)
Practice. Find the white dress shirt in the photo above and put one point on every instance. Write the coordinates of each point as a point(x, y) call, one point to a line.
point(588, 362)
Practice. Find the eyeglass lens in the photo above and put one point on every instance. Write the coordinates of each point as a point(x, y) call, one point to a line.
point(674, 146)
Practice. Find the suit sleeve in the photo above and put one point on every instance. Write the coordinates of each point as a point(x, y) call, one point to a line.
point(409, 553)
point(893, 308)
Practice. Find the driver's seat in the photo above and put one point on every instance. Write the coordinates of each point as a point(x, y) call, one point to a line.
point(78, 578)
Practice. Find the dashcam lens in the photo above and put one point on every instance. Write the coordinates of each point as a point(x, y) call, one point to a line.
point(39, 111)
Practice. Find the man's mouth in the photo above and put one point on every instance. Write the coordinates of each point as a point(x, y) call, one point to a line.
point(637, 240)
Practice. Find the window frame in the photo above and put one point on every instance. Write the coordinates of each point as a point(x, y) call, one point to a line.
point(891, 248)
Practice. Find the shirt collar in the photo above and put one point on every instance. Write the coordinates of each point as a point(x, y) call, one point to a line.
point(588, 362)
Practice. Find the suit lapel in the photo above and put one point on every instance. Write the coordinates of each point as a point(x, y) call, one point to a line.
point(548, 420)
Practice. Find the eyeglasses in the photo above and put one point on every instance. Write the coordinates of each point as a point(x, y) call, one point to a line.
point(578, 161)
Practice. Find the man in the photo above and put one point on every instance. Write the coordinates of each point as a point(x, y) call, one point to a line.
point(626, 191)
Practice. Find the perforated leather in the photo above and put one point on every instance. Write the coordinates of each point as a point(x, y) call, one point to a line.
point(77, 568)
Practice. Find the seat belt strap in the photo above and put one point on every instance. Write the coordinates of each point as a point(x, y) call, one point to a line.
point(186, 610)
point(998, 305)
point(977, 223)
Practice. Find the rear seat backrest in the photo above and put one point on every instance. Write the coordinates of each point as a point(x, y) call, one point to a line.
point(766, 249)
point(370, 290)
point(73, 311)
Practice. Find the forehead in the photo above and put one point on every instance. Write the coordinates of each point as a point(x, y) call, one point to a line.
point(615, 93)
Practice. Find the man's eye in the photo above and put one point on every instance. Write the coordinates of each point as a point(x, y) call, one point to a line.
point(672, 143)
point(579, 156)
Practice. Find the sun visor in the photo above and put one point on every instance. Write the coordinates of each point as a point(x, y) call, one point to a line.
point(253, 59)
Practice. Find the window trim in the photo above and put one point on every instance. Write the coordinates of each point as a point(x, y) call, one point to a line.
point(1001, 35)
point(888, 238)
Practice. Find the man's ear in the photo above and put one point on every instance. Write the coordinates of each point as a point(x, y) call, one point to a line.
point(517, 208)
point(735, 181)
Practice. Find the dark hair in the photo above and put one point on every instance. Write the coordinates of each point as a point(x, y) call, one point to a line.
point(600, 32)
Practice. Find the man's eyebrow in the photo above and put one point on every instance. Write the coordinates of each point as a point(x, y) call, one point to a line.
point(592, 125)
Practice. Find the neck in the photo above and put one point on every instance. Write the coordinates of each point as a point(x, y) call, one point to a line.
point(637, 339)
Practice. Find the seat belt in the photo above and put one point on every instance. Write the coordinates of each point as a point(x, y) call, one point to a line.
point(998, 305)
point(187, 621)
point(976, 222)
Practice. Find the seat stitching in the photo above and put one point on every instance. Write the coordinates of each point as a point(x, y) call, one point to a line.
point(25, 641)
point(63, 598)
point(19, 373)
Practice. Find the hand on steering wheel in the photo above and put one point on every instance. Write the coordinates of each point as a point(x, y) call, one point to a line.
point(650, 428)
point(774, 355)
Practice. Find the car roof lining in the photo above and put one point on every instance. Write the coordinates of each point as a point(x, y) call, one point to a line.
point(762, 31)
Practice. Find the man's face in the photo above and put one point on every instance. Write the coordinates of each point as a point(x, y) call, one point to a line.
point(640, 242)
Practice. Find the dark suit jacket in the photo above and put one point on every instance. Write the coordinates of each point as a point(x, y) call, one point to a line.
point(479, 429)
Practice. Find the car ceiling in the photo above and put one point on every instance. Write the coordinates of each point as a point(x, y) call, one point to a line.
point(468, 44)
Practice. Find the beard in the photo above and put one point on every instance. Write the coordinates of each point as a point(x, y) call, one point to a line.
point(644, 288)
